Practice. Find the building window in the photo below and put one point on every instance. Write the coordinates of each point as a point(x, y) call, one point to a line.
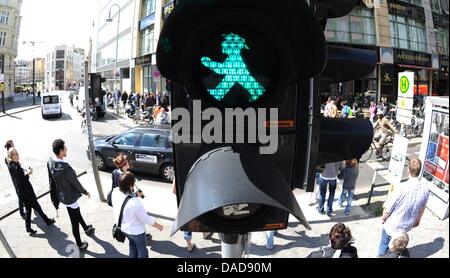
point(2, 38)
point(357, 28)
point(441, 40)
point(147, 45)
point(436, 6)
point(408, 33)
point(414, 2)
point(148, 8)
point(60, 64)
point(4, 17)
point(60, 54)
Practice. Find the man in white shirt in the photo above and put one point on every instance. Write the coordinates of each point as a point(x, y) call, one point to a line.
point(404, 209)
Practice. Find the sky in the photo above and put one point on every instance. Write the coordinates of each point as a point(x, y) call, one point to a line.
point(54, 22)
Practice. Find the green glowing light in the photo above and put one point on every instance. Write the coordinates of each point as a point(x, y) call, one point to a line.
point(234, 69)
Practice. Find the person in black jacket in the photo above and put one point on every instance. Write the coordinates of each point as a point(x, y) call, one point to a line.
point(65, 188)
point(340, 244)
point(10, 144)
point(25, 190)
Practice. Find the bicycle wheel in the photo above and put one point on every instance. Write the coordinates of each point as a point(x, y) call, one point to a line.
point(367, 155)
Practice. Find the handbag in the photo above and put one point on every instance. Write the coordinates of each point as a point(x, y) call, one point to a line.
point(116, 231)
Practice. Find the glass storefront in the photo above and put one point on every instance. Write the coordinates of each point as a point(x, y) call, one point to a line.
point(408, 33)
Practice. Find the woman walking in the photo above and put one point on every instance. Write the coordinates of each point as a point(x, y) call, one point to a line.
point(134, 216)
point(25, 190)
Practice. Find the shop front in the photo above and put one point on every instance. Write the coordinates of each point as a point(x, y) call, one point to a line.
point(419, 63)
point(440, 78)
point(148, 79)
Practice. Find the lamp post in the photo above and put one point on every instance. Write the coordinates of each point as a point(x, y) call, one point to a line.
point(109, 19)
point(34, 67)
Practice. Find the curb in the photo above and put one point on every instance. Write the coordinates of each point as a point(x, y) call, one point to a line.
point(6, 114)
point(37, 197)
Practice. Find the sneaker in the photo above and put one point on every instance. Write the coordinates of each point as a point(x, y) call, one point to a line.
point(31, 232)
point(192, 248)
point(83, 247)
point(347, 213)
point(50, 222)
point(90, 230)
point(149, 237)
point(329, 214)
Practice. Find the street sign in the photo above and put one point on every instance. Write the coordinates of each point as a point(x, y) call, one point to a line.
point(398, 158)
point(2, 86)
point(405, 100)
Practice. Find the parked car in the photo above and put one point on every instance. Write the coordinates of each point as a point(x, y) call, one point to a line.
point(148, 149)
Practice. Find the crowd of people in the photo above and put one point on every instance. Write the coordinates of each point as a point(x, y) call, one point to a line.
point(155, 107)
point(403, 209)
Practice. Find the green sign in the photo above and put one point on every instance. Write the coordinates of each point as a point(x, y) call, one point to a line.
point(234, 70)
point(404, 84)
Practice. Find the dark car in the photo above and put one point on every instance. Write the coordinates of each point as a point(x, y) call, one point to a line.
point(149, 151)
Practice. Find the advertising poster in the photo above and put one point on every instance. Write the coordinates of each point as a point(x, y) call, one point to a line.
point(436, 163)
point(398, 157)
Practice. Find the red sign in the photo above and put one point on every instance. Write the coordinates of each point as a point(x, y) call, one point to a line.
point(430, 168)
point(440, 173)
point(423, 90)
point(442, 151)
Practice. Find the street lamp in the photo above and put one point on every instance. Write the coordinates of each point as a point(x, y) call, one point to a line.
point(109, 20)
point(34, 66)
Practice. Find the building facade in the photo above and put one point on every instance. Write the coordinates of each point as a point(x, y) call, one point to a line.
point(408, 35)
point(64, 68)
point(140, 25)
point(112, 42)
point(9, 34)
point(24, 74)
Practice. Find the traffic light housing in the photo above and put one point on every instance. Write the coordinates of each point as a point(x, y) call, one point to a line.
point(231, 55)
point(234, 55)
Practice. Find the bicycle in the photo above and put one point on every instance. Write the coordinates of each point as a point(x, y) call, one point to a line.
point(374, 146)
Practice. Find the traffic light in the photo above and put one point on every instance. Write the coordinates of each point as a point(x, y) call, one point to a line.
point(96, 93)
point(248, 58)
point(332, 140)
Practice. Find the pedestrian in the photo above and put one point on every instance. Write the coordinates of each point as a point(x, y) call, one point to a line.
point(397, 246)
point(404, 209)
point(333, 110)
point(349, 174)
point(373, 112)
point(340, 246)
point(328, 178)
point(8, 145)
point(327, 108)
point(134, 217)
point(25, 190)
point(269, 239)
point(346, 110)
point(187, 235)
point(65, 188)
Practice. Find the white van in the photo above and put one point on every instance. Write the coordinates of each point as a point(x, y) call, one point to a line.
point(51, 105)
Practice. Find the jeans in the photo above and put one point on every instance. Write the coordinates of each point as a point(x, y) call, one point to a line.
point(138, 246)
point(269, 239)
point(187, 235)
point(323, 193)
point(346, 195)
point(76, 219)
point(384, 243)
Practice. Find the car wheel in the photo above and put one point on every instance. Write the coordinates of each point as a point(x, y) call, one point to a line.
point(101, 162)
point(168, 172)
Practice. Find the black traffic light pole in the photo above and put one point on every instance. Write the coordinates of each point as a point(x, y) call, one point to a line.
point(34, 93)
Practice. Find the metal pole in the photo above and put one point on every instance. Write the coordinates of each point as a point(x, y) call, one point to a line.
point(34, 94)
point(3, 102)
point(6, 245)
point(90, 135)
point(117, 45)
point(234, 246)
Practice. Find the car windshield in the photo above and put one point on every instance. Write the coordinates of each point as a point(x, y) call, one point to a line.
point(51, 100)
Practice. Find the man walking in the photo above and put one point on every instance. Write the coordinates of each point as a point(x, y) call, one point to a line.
point(65, 188)
point(404, 209)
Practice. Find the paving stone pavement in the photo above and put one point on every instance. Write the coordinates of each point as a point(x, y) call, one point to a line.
point(430, 239)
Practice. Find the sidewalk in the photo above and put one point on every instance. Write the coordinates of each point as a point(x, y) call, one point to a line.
point(19, 106)
point(430, 239)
